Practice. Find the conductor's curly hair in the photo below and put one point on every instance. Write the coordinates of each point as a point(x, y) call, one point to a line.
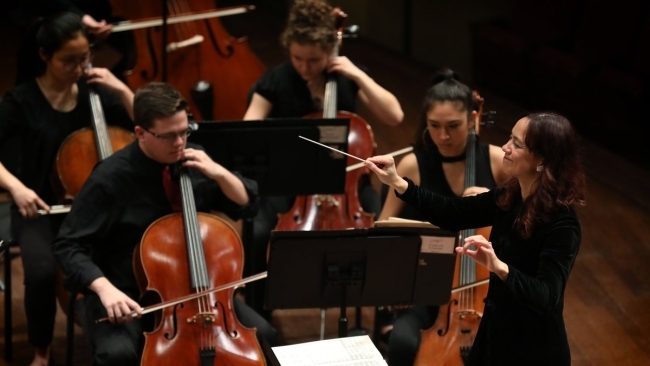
point(310, 22)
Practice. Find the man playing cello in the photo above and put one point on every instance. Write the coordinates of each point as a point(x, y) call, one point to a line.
point(122, 197)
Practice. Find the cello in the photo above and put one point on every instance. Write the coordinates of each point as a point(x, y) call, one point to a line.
point(213, 70)
point(449, 341)
point(75, 160)
point(335, 211)
point(203, 331)
point(83, 149)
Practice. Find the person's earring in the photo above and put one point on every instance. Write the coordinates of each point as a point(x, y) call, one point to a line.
point(540, 168)
point(424, 140)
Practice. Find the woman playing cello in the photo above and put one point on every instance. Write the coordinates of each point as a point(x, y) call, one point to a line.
point(121, 198)
point(437, 163)
point(296, 88)
point(40, 113)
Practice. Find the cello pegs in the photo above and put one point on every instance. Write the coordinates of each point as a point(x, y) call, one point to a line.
point(487, 118)
point(351, 31)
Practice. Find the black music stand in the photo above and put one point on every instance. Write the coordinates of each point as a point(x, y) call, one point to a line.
point(361, 267)
point(270, 152)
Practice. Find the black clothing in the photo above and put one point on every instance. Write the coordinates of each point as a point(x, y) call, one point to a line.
point(98, 9)
point(123, 43)
point(404, 340)
point(35, 238)
point(285, 89)
point(26, 115)
point(126, 351)
point(432, 177)
point(118, 202)
point(522, 323)
point(120, 199)
point(36, 131)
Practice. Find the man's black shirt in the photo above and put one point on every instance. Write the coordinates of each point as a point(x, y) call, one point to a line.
point(118, 202)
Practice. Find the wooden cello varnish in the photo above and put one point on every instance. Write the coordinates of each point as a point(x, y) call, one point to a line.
point(213, 70)
point(449, 341)
point(83, 149)
point(201, 252)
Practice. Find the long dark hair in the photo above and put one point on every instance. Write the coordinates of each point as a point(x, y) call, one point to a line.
point(445, 87)
point(49, 34)
point(562, 183)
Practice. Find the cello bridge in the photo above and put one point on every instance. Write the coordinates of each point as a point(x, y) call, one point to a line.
point(463, 313)
point(326, 198)
point(202, 317)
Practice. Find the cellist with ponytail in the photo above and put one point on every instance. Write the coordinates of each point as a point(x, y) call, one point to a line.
point(38, 115)
point(438, 163)
point(124, 195)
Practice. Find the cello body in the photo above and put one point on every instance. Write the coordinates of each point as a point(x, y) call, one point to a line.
point(78, 155)
point(213, 70)
point(336, 211)
point(450, 339)
point(75, 160)
point(177, 337)
point(204, 331)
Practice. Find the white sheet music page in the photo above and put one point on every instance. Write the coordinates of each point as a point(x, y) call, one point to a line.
point(349, 351)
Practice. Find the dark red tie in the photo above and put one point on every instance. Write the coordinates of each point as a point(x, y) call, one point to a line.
point(172, 189)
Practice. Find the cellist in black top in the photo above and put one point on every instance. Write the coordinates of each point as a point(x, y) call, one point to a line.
point(438, 163)
point(39, 114)
point(296, 88)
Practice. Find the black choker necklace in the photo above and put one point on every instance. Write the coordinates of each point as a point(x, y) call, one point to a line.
point(452, 159)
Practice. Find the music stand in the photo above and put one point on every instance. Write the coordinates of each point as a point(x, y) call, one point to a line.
point(360, 267)
point(270, 152)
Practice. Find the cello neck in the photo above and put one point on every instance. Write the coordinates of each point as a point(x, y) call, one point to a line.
point(103, 141)
point(329, 104)
point(195, 253)
point(331, 91)
point(468, 267)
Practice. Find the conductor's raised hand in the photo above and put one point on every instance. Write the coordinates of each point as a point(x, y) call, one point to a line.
point(384, 167)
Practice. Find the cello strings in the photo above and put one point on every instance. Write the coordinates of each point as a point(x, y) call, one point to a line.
point(184, 8)
point(172, 7)
point(193, 255)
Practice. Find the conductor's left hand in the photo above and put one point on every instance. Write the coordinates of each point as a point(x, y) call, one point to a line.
point(481, 251)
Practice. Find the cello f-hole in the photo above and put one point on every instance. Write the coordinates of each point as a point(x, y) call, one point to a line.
point(229, 48)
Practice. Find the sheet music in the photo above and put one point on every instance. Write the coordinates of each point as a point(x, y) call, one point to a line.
point(400, 222)
point(349, 351)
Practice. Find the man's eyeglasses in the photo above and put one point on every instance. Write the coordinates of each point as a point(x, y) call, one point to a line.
point(71, 64)
point(170, 137)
